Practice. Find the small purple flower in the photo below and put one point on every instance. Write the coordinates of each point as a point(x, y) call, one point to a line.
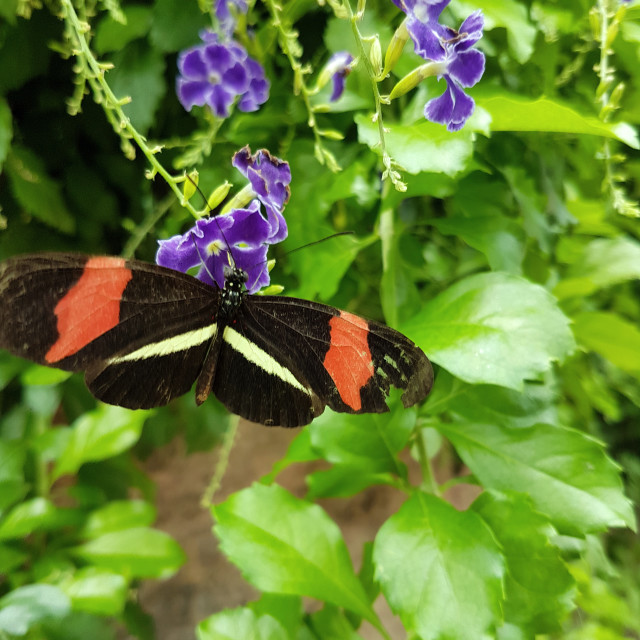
point(462, 67)
point(244, 233)
point(216, 73)
point(339, 68)
point(269, 177)
point(423, 26)
point(225, 17)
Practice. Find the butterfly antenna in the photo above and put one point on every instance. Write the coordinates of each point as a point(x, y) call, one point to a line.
point(210, 214)
point(202, 260)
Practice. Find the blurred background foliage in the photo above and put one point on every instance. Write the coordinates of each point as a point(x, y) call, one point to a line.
point(512, 259)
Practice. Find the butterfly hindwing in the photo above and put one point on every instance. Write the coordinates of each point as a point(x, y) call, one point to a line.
point(140, 331)
point(309, 355)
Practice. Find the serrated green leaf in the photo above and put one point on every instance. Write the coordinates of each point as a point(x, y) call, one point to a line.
point(118, 515)
point(424, 146)
point(27, 606)
point(493, 328)
point(368, 442)
point(240, 623)
point(139, 74)
point(25, 518)
point(100, 434)
point(37, 194)
point(539, 588)
point(138, 553)
point(113, 36)
point(98, 591)
point(510, 112)
point(286, 545)
point(566, 473)
point(610, 336)
point(440, 569)
point(176, 25)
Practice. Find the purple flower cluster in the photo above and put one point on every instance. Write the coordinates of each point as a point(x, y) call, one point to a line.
point(217, 73)
point(451, 51)
point(242, 236)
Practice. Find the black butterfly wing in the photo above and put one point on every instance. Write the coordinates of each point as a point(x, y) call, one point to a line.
point(139, 331)
point(284, 359)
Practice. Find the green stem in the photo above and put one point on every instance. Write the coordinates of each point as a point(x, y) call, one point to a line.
point(223, 462)
point(429, 484)
point(111, 105)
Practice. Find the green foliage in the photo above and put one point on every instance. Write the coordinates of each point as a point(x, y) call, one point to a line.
point(508, 251)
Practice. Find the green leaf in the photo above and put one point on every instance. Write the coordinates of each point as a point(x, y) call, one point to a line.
point(498, 237)
point(27, 606)
point(424, 146)
point(113, 36)
point(6, 130)
point(139, 74)
point(287, 610)
point(37, 375)
point(299, 450)
point(440, 570)
point(27, 517)
point(118, 515)
point(332, 623)
point(240, 623)
point(539, 588)
point(493, 328)
point(511, 15)
point(368, 442)
point(138, 553)
point(98, 591)
point(286, 545)
point(176, 25)
point(343, 481)
point(602, 263)
point(100, 434)
point(35, 191)
point(566, 473)
point(11, 559)
point(499, 405)
point(612, 337)
point(510, 112)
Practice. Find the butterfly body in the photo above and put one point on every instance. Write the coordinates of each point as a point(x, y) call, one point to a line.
point(143, 334)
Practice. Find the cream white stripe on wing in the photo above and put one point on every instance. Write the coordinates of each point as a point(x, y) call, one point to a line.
point(179, 342)
point(254, 354)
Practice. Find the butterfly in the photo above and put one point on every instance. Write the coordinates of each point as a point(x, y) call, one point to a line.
point(144, 334)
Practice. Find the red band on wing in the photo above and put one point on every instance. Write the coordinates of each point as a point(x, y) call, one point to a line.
point(348, 360)
point(91, 307)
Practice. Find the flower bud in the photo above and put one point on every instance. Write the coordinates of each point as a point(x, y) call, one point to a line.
point(218, 195)
point(190, 185)
point(375, 56)
point(394, 51)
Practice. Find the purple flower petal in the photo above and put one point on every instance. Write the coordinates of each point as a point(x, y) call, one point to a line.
point(452, 108)
point(467, 68)
point(228, 73)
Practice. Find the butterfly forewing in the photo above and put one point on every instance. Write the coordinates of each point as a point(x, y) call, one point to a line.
point(139, 330)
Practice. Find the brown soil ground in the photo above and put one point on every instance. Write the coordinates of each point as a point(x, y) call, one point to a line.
point(208, 583)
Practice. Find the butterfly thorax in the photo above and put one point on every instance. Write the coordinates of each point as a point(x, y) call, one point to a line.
point(233, 293)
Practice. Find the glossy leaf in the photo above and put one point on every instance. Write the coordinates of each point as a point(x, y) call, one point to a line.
point(517, 113)
point(539, 589)
point(113, 36)
point(240, 623)
point(118, 515)
point(287, 545)
point(98, 591)
point(566, 473)
point(370, 442)
point(137, 553)
point(440, 569)
point(25, 518)
point(27, 606)
point(493, 328)
point(423, 146)
point(101, 434)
